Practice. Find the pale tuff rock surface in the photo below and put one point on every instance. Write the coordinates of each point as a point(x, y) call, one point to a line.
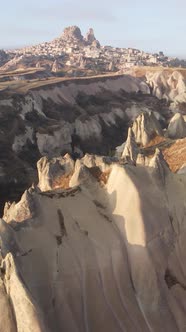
point(142, 160)
point(7, 321)
point(52, 173)
point(145, 127)
point(22, 312)
point(170, 86)
point(99, 244)
point(103, 163)
point(159, 167)
point(59, 113)
point(21, 211)
point(56, 66)
point(38, 64)
point(72, 33)
point(131, 149)
point(3, 57)
point(60, 140)
point(182, 170)
point(119, 150)
point(90, 38)
point(177, 127)
point(63, 172)
point(75, 116)
point(122, 244)
point(98, 228)
point(96, 44)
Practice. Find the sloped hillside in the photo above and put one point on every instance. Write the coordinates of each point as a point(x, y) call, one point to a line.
point(75, 116)
point(102, 251)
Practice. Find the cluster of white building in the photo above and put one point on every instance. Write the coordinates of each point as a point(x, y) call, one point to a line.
point(78, 53)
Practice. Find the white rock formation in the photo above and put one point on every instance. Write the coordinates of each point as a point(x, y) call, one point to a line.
point(109, 258)
point(56, 66)
point(38, 64)
point(90, 38)
point(21, 211)
point(21, 140)
point(182, 170)
point(131, 149)
point(59, 137)
point(104, 163)
point(72, 33)
point(51, 173)
point(119, 150)
point(177, 127)
point(60, 140)
point(98, 245)
point(146, 127)
point(168, 85)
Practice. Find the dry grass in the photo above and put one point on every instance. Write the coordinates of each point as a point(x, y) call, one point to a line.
point(101, 177)
point(20, 71)
point(174, 151)
point(155, 141)
point(175, 155)
point(62, 182)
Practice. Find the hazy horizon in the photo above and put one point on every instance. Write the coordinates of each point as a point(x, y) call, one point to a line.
point(151, 27)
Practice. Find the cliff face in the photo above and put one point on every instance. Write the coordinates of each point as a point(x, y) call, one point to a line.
point(50, 116)
point(75, 116)
point(99, 243)
point(106, 254)
point(170, 86)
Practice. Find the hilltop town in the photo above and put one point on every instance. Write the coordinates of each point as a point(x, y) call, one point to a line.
point(75, 55)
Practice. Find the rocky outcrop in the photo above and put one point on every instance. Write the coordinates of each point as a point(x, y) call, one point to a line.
point(131, 149)
point(99, 228)
point(68, 116)
point(38, 64)
point(72, 33)
point(111, 66)
point(168, 85)
point(56, 66)
point(182, 170)
point(72, 116)
point(20, 311)
point(96, 44)
point(177, 127)
point(55, 173)
point(90, 38)
point(4, 57)
point(63, 172)
point(94, 241)
point(23, 210)
point(146, 127)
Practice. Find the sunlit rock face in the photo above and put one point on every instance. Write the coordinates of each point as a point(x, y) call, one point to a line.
point(55, 173)
point(99, 243)
point(3, 57)
point(105, 253)
point(77, 116)
point(177, 127)
point(130, 151)
point(72, 33)
point(145, 127)
point(168, 85)
point(95, 243)
point(90, 38)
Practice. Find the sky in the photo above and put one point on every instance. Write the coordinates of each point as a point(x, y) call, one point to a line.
point(152, 26)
